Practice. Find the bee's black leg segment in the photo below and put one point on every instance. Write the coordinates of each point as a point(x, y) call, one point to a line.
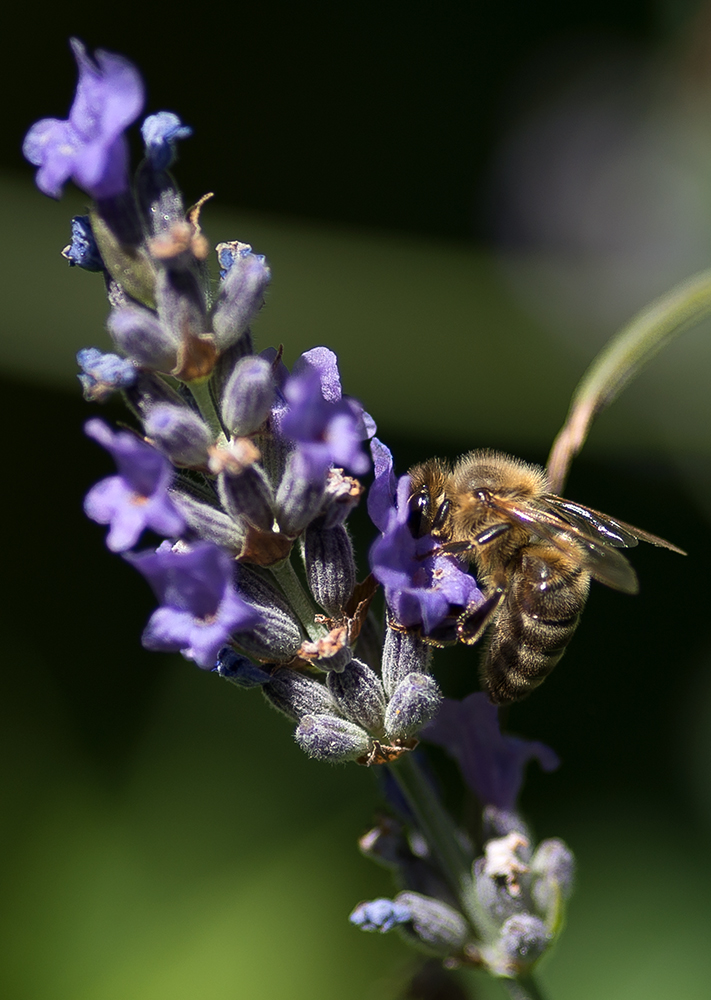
point(493, 532)
point(472, 622)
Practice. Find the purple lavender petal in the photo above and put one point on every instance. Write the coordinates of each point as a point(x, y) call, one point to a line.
point(326, 432)
point(137, 498)
point(325, 363)
point(381, 495)
point(492, 763)
point(200, 607)
point(90, 147)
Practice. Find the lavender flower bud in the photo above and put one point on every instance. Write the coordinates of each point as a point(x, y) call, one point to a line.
point(330, 566)
point(359, 695)
point(180, 433)
point(523, 940)
point(248, 396)
point(297, 694)
point(413, 703)
point(139, 333)
point(324, 737)
point(300, 496)
point(248, 495)
point(181, 305)
point(403, 653)
point(553, 868)
point(239, 670)
point(240, 297)
point(206, 520)
point(434, 924)
point(277, 636)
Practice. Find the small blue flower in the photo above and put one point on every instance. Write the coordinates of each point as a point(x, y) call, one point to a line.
point(380, 915)
point(239, 669)
point(233, 251)
point(200, 607)
point(160, 134)
point(103, 373)
point(137, 498)
point(492, 763)
point(421, 588)
point(83, 251)
point(90, 147)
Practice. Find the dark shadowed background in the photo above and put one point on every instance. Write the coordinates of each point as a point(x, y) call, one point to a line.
point(464, 201)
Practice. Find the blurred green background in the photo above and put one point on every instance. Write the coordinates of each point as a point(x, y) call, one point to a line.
point(464, 202)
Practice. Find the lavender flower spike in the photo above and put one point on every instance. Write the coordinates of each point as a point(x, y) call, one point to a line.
point(200, 607)
point(135, 499)
point(89, 147)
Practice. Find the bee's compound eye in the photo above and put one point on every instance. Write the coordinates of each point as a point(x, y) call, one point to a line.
point(418, 520)
point(440, 518)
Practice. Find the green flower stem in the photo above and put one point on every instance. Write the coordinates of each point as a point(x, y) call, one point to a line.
point(523, 988)
point(200, 388)
point(298, 598)
point(438, 830)
point(621, 360)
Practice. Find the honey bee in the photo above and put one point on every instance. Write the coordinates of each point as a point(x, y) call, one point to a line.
point(535, 554)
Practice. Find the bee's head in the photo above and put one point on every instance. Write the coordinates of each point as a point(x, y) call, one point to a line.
point(430, 506)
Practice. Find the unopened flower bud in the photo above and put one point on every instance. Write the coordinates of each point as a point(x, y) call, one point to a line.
point(327, 738)
point(139, 333)
point(296, 694)
point(553, 869)
point(240, 297)
point(205, 519)
point(523, 940)
point(299, 497)
point(403, 653)
point(239, 670)
point(248, 495)
point(359, 695)
point(181, 305)
point(413, 703)
point(277, 635)
point(330, 566)
point(434, 924)
point(180, 433)
point(248, 396)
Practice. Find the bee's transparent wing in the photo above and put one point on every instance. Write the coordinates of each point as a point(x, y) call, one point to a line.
point(600, 559)
point(602, 527)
